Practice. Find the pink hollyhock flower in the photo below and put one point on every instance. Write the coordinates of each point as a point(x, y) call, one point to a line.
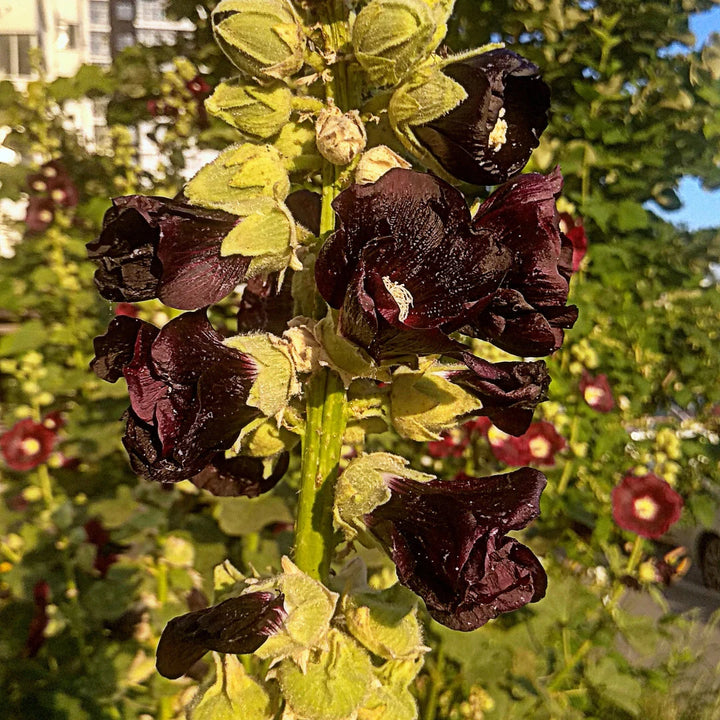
point(645, 505)
point(596, 392)
point(575, 232)
point(27, 444)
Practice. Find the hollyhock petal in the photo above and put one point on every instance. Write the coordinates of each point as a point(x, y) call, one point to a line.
point(645, 505)
point(27, 444)
point(489, 137)
point(447, 542)
point(115, 350)
point(264, 307)
point(239, 625)
point(239, 476)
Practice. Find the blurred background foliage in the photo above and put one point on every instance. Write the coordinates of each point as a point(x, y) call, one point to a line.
point(94, 562)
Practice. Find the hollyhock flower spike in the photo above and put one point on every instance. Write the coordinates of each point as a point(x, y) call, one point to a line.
point(408, 266)
point(153, 247)
point(448, 542)
point(187, 390)
point(490, 135)
point(27, 444)
point(596, 392)
point(645, 505)
point(238, 625)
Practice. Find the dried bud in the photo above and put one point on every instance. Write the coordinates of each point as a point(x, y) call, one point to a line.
point(258, 112)
point(375, 162)
point(339, 136)
point(391, 37)
point(263, 38)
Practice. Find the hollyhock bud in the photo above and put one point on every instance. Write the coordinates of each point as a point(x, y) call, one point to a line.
point(258, 112)
point(263, 38)
point(339, 136)
point(487, 136)
point(645, 505)
point(375, 162)
point(27, 444)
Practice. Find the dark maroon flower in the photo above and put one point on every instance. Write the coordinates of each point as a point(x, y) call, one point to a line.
point(408, 266)
point(231, 477)
point(40, 214)
point(265, 306)
point(575, 231)
point(239, 625)
point(596, 392)
point(187, 392)
point(53, 181)
point(489, 137)
point(198, 87)
point(155, 247)
point(27, 444)
point(645, 505)
point(39, 620)
point(107, 552)
point(448, 542)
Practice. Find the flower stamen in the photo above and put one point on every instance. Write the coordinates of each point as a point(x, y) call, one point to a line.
point(401, 295)
point(645, 508)
point(498, 135)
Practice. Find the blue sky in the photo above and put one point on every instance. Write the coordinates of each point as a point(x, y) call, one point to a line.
point(701, 208)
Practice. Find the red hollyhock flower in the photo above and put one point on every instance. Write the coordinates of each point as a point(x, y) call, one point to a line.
point(596, 392)
point(27, 444)
point(645, 505)
point(40, 214)
point(198, 87)
point(54, 420)
point(452, 444)
point(152, 247)
point(408, 266)
point(187, 389)
point(448, 542)
point(107, 552)
point(239, 625)
point(575, 233)
point(537, 446)
point(489, 137)
point(54, 181)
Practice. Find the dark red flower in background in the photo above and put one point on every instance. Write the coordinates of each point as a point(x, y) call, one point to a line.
point(128, 309)
point(489, 137)
point(152, 247)
point(27, 444)
point(187, 392)
point(107, 552)
point(596, 392)
point(39, 621)
point(239, 625)
point(49, 188)
point(448, 542)
point(537, 446)
point(645, 505)
point(40, 213)
point(198, 87)
point(575, 232)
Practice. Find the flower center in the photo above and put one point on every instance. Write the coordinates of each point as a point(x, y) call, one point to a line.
point(645, 508)
point(496, 437)
point(50, 172)
point(39, 186)
point(539, 447)
point(30, 446)
point(401, 295)
point(58, 195)
point(45, 216)
point(498, 135)
point(593, 395)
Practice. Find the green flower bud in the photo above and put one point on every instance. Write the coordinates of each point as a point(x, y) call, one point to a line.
point(391, 37)
point(263, 38)
point(240, 179)
point(257, 112)
point(339, 136)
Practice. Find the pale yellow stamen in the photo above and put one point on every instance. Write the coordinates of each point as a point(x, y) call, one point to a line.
point(539, 447)
point(401, 295)
point(50, 172)
point(496, 437)
point(58, 195)
point(593, 395)
point(30, 446)
point(498, 135)
point(645, 508)
point(45, 216)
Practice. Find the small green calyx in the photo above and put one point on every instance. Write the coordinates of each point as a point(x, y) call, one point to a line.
point(240, 180)
point(263, 38)
point(232, 694)
point(424, 404)
point(333, 684)
point(391, 37)
point(362, 487)
point(258, 112)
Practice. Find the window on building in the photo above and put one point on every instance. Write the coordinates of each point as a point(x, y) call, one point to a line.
point(100, 44)
point(66, 36)
point(124, 40)
point(151, 10)
point(15, 55)
point(99, 12)
point(124, 10)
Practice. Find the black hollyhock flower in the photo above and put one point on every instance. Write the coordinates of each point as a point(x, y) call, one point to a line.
point(447, 540)
point(510, 391)
point(231, 477)
point(155, 247)
point(264, 306)
point(489, 137)
point(187, 390)
point(408, 266)
point(238, 625)
point(528, 313)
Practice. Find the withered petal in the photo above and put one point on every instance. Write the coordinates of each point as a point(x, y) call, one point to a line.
point(240, 476)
